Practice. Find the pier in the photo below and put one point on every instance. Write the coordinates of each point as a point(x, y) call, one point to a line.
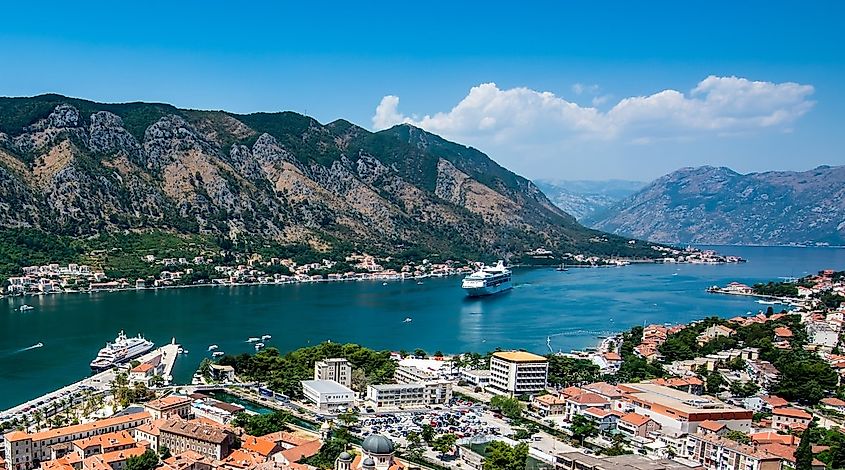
point(53, 403)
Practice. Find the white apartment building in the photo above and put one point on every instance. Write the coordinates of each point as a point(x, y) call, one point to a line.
point(328, 395)
point(410, 395)
point(337, 369)
point(518, 372)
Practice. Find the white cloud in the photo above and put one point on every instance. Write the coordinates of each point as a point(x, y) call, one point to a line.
point(529, 130)
point(720, 105)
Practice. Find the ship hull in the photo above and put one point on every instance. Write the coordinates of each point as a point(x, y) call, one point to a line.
point(140, 352)
point(484, 291)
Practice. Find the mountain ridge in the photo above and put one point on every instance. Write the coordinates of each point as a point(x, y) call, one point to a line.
point(717, 205)
point(78, 168)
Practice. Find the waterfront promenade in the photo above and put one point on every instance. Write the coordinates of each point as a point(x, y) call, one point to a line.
point(56, 401)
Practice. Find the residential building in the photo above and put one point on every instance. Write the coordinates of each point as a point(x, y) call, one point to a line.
point(719, 453)
point(337, 369)
point(636, 425)
point(549, 405)
point(169, 407)
point(680, 412)
point(410, 395)
point(605, 419)
point(713, 332)
point(518, 372)
point(178, 436)
point(786, 418)
point(223, 373)
point(22, 449)
point(478, 378)
point(578, 403)
point(328, 395)
point(834, 404)
point(579, 461)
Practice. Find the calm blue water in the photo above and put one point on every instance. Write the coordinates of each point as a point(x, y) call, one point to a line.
point(572, 307)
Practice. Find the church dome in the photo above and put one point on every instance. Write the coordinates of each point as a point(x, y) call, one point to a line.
point(377, 444)
point(345, 456)
point(368, 463)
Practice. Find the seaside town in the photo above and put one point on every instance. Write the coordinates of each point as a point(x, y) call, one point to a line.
point(757, 392)
point(203, 269)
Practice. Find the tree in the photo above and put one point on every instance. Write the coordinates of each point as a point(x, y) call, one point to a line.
point(146, 461)
point(415, 448)
point(420, 353)
point(427, 433)
point(501, 456)
point(566, 371)
point(445, 443)
point(259, 425)
point(738, 436)
point(510, 407)
point(714, 382)
point(582, 428)
point(804, 452)
point(744, 389)
point(348, 418)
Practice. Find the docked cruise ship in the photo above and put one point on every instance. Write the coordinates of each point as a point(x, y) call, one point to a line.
point(488, 280)
point(121, 350)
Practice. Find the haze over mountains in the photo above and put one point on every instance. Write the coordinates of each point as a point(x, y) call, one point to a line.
point(716, 205)
point(582, 199)
point(79, 168)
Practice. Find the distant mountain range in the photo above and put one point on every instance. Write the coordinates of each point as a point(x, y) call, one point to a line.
point(711, 205)
point(583, 199)
point(78, 168)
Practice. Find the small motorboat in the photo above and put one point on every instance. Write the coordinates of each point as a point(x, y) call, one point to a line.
point(253, 339)
point(212, 347)
point(407, 320)
point(384, 283)
point(218, 353)
point(259, 346)
point(265, 337)
point(25, 307)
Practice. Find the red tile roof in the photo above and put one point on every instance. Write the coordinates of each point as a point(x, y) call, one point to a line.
point(636, 419)
point(711, 425)
point(792, 413)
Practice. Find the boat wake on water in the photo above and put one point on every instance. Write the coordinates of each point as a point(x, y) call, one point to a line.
point(18, 351)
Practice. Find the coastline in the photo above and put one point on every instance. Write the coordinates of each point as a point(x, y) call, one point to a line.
point(375, 278)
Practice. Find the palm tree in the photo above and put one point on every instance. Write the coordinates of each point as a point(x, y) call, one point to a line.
point(39, 417)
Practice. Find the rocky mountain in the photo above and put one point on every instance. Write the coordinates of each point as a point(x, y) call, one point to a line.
point(79, 168)
point(721, 206)
point(583, 199)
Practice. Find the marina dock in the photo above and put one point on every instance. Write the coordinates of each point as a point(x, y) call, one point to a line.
point(99, 383)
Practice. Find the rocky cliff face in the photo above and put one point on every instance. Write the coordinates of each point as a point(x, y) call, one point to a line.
point(75, 167)
point(721, 206)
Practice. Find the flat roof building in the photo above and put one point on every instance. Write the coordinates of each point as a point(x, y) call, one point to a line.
point(680, 412)
point(518, 372)
point(337, 369)
point(328, 395)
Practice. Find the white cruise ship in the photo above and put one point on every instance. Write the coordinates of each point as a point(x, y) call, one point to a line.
point(488, 280)
point(121, 350)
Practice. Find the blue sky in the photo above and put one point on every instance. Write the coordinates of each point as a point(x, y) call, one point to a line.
point(774, 101)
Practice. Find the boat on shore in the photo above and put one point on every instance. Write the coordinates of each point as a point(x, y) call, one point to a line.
point(488, 280)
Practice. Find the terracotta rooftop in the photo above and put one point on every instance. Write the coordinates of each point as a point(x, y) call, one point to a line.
point(635, 419)
point(792, 413)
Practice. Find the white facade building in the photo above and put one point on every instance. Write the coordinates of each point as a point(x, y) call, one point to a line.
point(337, 369)
point(328, 395)
point(518, 372)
